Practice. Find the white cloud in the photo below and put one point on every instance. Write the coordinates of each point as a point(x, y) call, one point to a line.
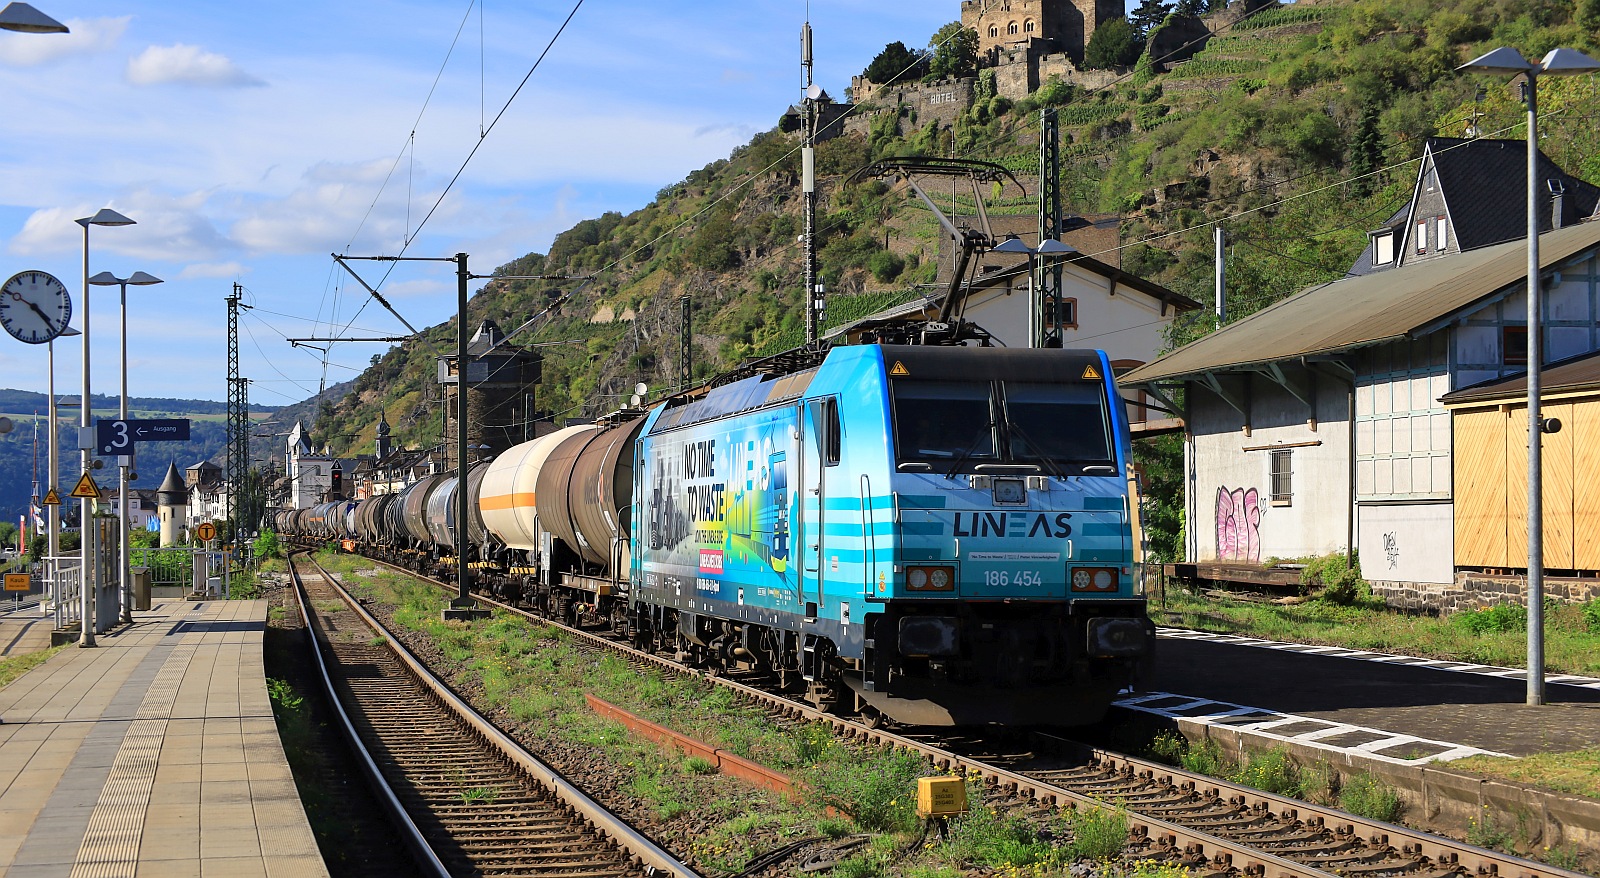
point(200, 270)
point(88, 37)
point(189, 65)
point(167, 228)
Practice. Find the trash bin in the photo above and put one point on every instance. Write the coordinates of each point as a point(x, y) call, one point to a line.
point(141, 587)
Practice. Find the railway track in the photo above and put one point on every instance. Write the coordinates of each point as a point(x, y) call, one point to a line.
point(1175, 816)
point(466, 798)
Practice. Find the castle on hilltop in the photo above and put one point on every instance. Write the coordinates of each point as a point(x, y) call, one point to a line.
point(1009, 29)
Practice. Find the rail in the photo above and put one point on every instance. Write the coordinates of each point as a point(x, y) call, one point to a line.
point(421, 851)
point(657, 859)
point(1448, 857)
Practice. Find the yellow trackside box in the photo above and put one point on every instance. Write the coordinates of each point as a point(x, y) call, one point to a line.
point(941, 796)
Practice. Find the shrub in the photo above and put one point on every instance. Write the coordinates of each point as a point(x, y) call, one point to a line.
point(885, 266)
point(1339, 584)
point(1498, 619)
point(1273, 772)
point(1591, 615)
point(1366, 796)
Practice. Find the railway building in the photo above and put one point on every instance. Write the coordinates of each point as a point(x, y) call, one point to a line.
point(1322, 423)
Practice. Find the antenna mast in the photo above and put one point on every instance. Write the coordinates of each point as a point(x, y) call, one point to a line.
point(808, 160)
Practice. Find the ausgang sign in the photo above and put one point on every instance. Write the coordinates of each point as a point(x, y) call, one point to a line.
point(117, 437)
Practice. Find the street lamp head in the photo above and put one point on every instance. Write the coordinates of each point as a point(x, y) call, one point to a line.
point(139, 278)
point(1052, 247)
point(1567, 62)
point(105, 216)
point(1013, 244)
point(1502, 60)
point(25, 19)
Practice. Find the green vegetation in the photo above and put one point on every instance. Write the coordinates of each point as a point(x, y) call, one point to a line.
point(1366, 796)
point(12, 667)
point(538, 677)
point(1492, 637)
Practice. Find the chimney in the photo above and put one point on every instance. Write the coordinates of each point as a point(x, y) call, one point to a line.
point(1558, 189)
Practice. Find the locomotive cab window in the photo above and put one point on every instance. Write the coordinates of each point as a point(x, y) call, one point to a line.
point(983, 426)
point(1064, 424)
point(943, 425)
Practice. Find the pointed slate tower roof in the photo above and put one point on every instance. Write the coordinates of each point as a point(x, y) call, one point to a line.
point(172, 492)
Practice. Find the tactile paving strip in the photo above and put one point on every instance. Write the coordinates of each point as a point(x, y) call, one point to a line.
point(1289, 728)
point(1369, 656)
point(111, 846)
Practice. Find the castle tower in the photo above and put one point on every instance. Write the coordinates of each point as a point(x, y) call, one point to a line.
point(1039, 26)
point(499, 377)
point(171, 500)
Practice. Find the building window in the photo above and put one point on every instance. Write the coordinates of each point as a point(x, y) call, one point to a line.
point(1514, 345)
point(1282, 477)
point(1068, 316)
point(994, 30)
point(1383, 249)
point(1028, 26)
point(1012, 28)
point(1443, 235)
point(1422, 236)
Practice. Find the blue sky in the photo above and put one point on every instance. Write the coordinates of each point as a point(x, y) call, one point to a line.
point(249, 141)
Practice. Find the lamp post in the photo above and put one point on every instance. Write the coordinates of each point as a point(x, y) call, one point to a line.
point(1049, 249)
point(53, 515)
point(107, 279)
point(25, 19)
point(1559, 62)
point(104, 217)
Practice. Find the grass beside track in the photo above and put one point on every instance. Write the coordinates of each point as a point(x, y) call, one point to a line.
point(1496, 636)
point(15, 666)
point(536, 677)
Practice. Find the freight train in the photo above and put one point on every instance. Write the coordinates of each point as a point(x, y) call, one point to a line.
point(937, 535)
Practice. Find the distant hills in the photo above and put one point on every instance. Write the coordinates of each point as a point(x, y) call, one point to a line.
point(21, 456)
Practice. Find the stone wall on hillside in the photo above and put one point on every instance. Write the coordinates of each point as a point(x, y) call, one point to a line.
point(942, 101)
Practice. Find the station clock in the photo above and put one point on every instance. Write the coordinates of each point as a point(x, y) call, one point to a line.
point(34, 307)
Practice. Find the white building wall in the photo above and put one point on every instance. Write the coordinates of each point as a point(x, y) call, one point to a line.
point(1407, 542)
point(1127, 326)
point(1233, 515)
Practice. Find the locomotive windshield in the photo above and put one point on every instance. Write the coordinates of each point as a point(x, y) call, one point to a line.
point(944, 422)
point(1062, 423)
point(989, 426)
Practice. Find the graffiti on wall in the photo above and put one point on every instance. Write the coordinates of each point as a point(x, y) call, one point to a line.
point(1239, 525)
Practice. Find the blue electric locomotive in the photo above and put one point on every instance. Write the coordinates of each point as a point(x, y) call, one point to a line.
point(944, 535)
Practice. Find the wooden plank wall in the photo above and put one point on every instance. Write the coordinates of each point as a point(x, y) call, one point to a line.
point(1480, 488)
point(1491, 487)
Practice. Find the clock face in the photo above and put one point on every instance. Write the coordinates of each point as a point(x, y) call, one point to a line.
point(34, 307)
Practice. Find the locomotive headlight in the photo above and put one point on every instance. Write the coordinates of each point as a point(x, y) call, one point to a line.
point(931, 578)
point(1095, 579)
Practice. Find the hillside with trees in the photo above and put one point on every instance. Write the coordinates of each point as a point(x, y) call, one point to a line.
point(1297, 128)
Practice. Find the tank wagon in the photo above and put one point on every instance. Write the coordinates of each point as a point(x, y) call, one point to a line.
point(940, 535)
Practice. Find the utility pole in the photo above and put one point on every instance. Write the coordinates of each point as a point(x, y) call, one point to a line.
point(686, 348)
point(808, 161)
point(1220, 240)
point(1049, 276)
point(238, 458)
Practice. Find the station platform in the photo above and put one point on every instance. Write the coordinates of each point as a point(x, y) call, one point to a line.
point(23, 628)
point(153, 754)
point(1396, 709)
